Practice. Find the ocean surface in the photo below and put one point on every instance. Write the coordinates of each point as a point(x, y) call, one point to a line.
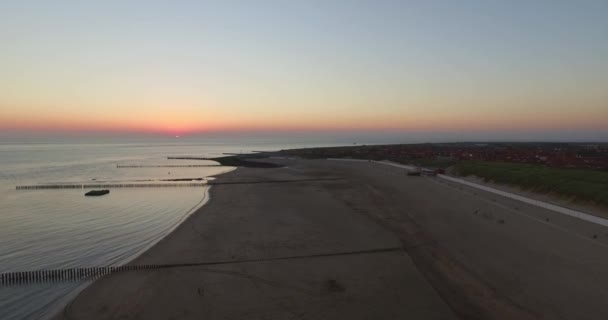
point(61, 228)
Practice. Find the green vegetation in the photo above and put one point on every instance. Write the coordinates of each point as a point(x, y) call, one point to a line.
point(580, 185)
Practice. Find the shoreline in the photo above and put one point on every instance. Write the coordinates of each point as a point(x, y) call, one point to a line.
point(194, 210)
point(56, 312)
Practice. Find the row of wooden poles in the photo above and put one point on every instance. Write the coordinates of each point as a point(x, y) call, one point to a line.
point(123, 185)
point(64, 275)
point(168, 166)
point(187, 158)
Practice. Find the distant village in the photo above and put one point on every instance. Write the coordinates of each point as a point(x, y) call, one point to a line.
point(563, 155)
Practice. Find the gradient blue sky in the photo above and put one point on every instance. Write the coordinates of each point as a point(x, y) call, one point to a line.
point(535, 68)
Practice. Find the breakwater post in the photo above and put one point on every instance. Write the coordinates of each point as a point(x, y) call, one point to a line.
point(117, 185)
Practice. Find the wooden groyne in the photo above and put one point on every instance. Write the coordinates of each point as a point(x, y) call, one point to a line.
point(17, 278)
point(114, 185)
point(169, 166)
point(187, 158)
point(64, 275)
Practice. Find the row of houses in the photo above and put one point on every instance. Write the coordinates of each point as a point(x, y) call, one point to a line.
point(587, 156)
point(571, 157)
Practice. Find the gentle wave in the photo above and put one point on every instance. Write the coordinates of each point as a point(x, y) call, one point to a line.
point(48, 229)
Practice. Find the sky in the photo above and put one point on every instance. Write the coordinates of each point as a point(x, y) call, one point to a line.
point(522, 70)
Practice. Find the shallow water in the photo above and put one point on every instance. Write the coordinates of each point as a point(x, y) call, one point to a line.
point(59, 228)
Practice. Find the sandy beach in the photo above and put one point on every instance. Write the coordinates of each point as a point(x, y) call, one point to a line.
point(322, 239)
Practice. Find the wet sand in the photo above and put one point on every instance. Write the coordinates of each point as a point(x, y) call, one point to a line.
point(336, 240)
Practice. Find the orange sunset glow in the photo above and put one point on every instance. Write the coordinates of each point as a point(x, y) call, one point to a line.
point(236, 72)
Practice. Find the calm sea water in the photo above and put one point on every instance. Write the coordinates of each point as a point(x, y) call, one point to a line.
point(42, 229)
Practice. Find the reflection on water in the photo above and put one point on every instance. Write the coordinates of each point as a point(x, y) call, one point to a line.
point(43, 229)
point(62, 228)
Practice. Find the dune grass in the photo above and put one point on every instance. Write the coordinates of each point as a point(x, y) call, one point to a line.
point(576, 184)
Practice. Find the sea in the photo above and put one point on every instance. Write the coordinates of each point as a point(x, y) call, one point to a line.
point(43, 229)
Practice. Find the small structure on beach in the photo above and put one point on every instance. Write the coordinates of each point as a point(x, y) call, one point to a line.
point(428, 172)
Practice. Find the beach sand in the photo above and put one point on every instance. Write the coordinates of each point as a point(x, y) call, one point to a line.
point(325, 239)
